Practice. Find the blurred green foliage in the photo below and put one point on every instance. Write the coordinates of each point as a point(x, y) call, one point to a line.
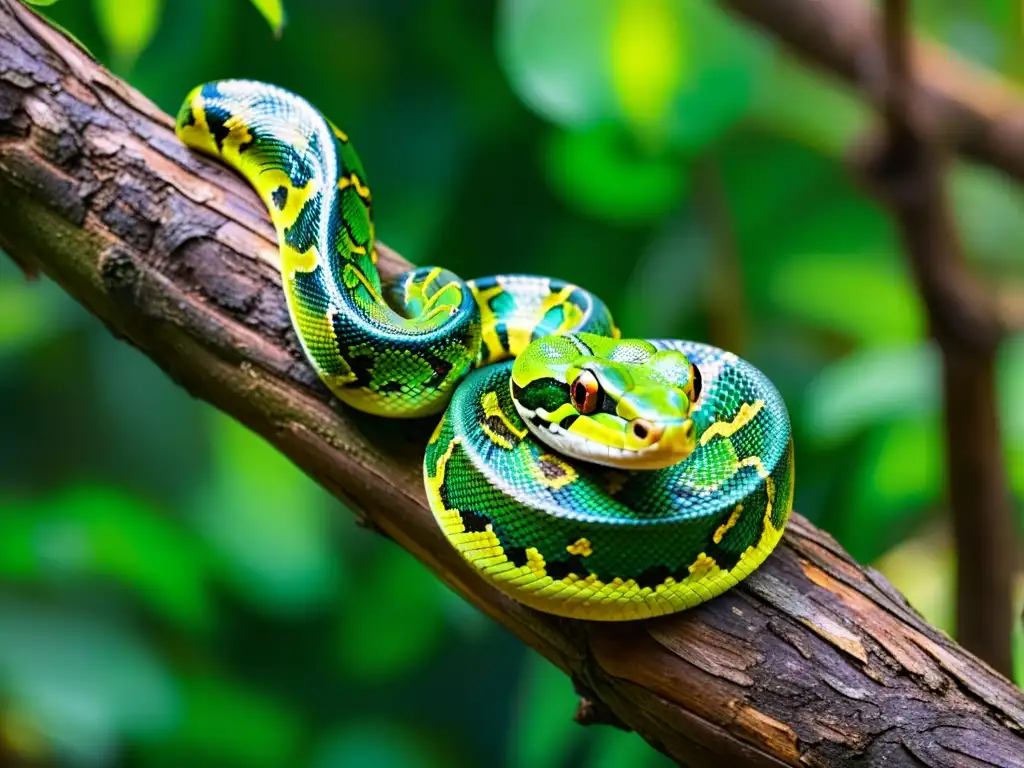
point(174, 591)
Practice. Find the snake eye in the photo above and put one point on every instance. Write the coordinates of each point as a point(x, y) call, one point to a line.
point(697, 382)
point(584, 392)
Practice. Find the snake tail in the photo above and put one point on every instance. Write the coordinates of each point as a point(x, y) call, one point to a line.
point(395, 350)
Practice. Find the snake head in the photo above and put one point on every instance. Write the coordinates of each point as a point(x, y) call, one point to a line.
point(620, 403)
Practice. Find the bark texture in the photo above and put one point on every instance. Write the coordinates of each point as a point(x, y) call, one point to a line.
point(814, 661)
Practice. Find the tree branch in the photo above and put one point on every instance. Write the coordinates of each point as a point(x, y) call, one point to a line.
point(814, 660)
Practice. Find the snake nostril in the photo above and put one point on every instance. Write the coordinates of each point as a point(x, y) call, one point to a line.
point(642, 429)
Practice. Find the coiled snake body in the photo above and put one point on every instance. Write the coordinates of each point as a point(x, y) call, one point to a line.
point(584, 474)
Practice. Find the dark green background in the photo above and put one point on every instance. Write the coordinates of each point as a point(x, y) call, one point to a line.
point(174, 589)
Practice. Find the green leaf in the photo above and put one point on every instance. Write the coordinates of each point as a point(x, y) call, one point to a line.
point(613, 748)
point(273, 12)
point(546, 734)
point(990, 211)
point(86, 680)
point(812, 112)
point(101, 532)
point(40, 2)
point(868, 387)
point(1011, 383)
point(213, 706)
point(674, 72)
point(375, 744)
point(29, 315)
point(889, 492)
point(587, 169)
point(863, 298)
point(268, 524)
point(393, 621)
point(128, 27)
point(560, 76)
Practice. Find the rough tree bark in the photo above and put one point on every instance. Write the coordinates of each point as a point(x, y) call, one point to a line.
point(815, 660)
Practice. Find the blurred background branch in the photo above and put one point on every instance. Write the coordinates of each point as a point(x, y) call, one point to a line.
point(906, 166)
point(169, 578)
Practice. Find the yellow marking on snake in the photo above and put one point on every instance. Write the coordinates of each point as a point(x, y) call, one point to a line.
point(581, 547)
point(729, 428)
point(492, 342)
point(727, 525)
point(492, 408)
point(352, 180)
point(352, 269)
point(520, 337)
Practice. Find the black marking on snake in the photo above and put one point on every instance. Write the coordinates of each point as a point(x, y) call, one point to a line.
point(390, 387)
point(302, 234)
point(362, 367)
point(551, 467)
point(656, 574)
point(580, 345)
point(498, 427)
point(216, 117)
point(559, 569)
point(189, 117)
point(502, 331)
point(568, 421)
point(441, 368)
point(347, 226)
point(280, 197)
point(725, 558)
point(473, 521)
point(516, 555)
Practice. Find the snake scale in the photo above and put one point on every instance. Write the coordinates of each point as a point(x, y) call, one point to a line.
point(584, 474)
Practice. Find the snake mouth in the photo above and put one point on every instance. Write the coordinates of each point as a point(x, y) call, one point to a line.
point(645, 445)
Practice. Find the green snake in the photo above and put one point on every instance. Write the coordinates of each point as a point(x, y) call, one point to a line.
point(583, 474)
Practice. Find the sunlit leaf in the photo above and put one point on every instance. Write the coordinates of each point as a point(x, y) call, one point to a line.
point(601, 174)
point(85, 679)
point(676, 73)
point(546, 734)
point(273, 12)
point(803, 105)
point(40, 2)
point(725, 63)
point(647, 59)
point(865, 299)
point(128, 27)
point(393, 620)
point(868, 387)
